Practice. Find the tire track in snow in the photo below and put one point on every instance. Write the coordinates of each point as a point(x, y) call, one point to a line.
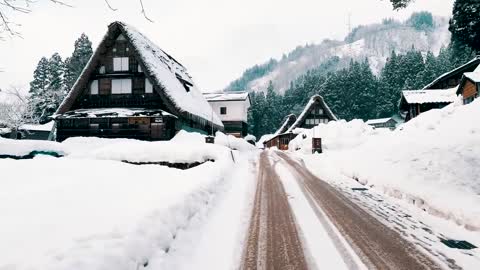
point(273, 241)
point(376, 244)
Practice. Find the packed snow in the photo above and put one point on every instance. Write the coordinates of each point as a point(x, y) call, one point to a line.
point(226, 96)
point(430, 161)
point(88, 210)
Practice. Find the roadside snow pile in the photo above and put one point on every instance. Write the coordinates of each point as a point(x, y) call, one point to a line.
point(431, 161)
point(336, 135)
point(183, 148)
point(88, 211)
point(263, 139)
point(233, 142)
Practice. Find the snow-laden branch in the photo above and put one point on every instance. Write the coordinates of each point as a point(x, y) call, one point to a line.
point(17, 110)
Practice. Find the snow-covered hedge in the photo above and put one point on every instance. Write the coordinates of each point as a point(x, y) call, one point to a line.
point(432, 161)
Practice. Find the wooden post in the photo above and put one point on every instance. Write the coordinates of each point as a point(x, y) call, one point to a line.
point(316, 145)
point(210, 139)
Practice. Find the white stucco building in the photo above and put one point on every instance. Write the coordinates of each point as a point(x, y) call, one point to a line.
point(232, 108)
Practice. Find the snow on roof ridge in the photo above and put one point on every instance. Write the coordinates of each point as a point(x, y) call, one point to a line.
point(285, 123)
point(233, 95)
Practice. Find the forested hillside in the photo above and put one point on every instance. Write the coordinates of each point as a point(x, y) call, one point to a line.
point(354, 91)
point(374, 42)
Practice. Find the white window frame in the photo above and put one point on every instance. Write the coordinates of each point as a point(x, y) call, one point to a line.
point(94, 87)
point(120, 64)
point(148, 86)
point(121, 86)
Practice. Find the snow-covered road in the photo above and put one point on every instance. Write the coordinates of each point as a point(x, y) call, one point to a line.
point(333, 232)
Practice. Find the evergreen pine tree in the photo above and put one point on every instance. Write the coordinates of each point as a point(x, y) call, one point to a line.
point(77, 62)
point(40, 78)
point(465, 24)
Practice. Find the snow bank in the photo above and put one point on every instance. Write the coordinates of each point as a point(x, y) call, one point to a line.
point(233, 142)
point(336, 135)
point(431, 161)
point(185, 147)
point(88, 211)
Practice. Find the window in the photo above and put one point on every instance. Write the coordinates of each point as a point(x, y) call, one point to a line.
point(223, 110)
point(101, 70)
point(140, 68)
point(148, 86)
point(120, 64)
point(122, 86)
point(320, 111)
point(317, 121)
point(468, 100)
point(94, 87)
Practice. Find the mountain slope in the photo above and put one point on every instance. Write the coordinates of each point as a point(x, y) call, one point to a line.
point(374, 42)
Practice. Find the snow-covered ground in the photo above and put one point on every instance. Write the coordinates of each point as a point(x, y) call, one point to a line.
point(432, 161)
point(88, 210)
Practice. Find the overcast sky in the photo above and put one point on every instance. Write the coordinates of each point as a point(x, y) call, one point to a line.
point(216, 40)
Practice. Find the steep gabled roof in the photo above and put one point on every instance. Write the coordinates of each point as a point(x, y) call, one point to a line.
point(311, 102)
point(226, 96)
point(287, 122)
point(167, 75)
point(471, 65)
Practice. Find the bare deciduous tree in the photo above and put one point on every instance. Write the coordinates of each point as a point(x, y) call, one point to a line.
point(17, 110)
point(9, 7)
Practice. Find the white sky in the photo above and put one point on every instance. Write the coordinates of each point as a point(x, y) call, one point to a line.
point(216, 40)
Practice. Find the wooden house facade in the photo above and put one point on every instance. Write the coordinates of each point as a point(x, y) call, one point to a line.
point(131, 88)
point(280, 138)
point(469, 86)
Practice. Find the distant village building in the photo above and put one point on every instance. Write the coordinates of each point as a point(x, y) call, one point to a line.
point(383, 123)
point(415, 102)
point(131, 88)
point(442, 91)
point(469, 86)
point(232, 108)
point(280, 139)
point(316, 112)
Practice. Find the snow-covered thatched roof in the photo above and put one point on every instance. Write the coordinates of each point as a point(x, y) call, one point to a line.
point(429, 96)
point(226, 96)
point(313, 100)
point(471, 65)
point(287, 122)
point(169, 77)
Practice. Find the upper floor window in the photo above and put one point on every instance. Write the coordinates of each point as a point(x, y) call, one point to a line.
point(122, 86)
point(120, 64)
point(101, 70)
point(148, 86)
point(94, 87)
point(223, 110)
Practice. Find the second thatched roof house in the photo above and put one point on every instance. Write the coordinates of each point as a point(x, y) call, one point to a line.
point(316, 112)
point(131, 88)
